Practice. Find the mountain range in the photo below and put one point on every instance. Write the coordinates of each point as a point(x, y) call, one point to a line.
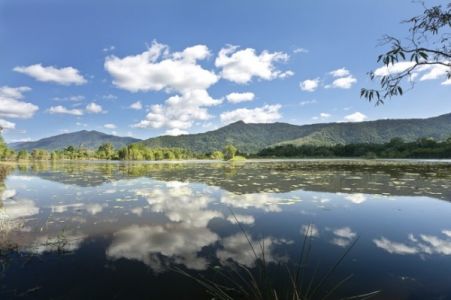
point(252, 137)
point(88, 139)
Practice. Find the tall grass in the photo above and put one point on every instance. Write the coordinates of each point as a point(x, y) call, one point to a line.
point(237, 281)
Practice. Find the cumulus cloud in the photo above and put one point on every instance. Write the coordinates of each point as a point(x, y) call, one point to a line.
point(6, 124)
point(94, 108)
point(309, 85)
point(343, 82)
point(322, 116)
point(179, 112)
point(300, 50)
point(59, 109)
point(110, 126)
point(64, 76)
point(241, 66)
point(355, 117)
point(343, 72)
point(424, 72)
point(179, 72)
point(240, 97)
point(136, 105)
point(156, 69)
point(447, 82)
point(11, 104)
point(393, 68)
point(264, 114)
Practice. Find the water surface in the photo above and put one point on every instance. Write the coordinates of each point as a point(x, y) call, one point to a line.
point(122, 230)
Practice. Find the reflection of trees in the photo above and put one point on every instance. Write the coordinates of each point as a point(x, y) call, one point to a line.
point(255, 177)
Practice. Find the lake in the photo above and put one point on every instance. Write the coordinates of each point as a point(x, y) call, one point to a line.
point(77, 230)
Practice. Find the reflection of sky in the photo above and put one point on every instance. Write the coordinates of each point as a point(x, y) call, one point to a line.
point(160, 223)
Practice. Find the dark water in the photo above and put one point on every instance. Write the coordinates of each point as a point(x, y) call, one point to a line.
point(127, 231)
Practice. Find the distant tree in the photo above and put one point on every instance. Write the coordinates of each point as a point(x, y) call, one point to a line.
point(429, 45)
point(230, 151)
point(106, 151)
point(39, 154)
point(217, 155)
point(22, 155)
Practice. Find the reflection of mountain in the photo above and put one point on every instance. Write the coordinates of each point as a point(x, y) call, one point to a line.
point(353, 177)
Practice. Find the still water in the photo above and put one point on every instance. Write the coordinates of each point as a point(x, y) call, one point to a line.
point(131, 230)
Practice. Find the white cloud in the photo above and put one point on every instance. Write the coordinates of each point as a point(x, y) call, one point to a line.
point(109, 48)
point(64, 76)
point(241, 66)
point(393, 68)
point(136, 105)
point(356, 117)
point(176, 131)
point(343, 82)
point(325, 115)
point(264, 114)
point(447, 82)
point(240, 97)
point(309, 85)
point(94, 108)
point(156, 69)
point(300, 50)
point(435, 72)
point(427, 72)
point(179, 112)
point(59, 109)
point(343, 72)
point(109, 97)
point(11, 105)
point(110, 126)
point(179, 72)
point(6, 124)
point(76, 98)
point(308, 102)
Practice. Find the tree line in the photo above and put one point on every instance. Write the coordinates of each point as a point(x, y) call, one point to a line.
point(107, 151)
point(396, 148)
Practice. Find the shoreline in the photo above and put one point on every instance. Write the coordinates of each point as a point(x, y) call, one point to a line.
point(360, 161)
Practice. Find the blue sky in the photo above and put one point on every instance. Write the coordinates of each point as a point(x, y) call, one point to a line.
point(193, 66)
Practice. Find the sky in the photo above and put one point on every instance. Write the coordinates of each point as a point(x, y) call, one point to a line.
point(147, 68)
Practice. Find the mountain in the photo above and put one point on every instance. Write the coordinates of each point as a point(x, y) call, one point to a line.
point(251, 138)
point(88, 139)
